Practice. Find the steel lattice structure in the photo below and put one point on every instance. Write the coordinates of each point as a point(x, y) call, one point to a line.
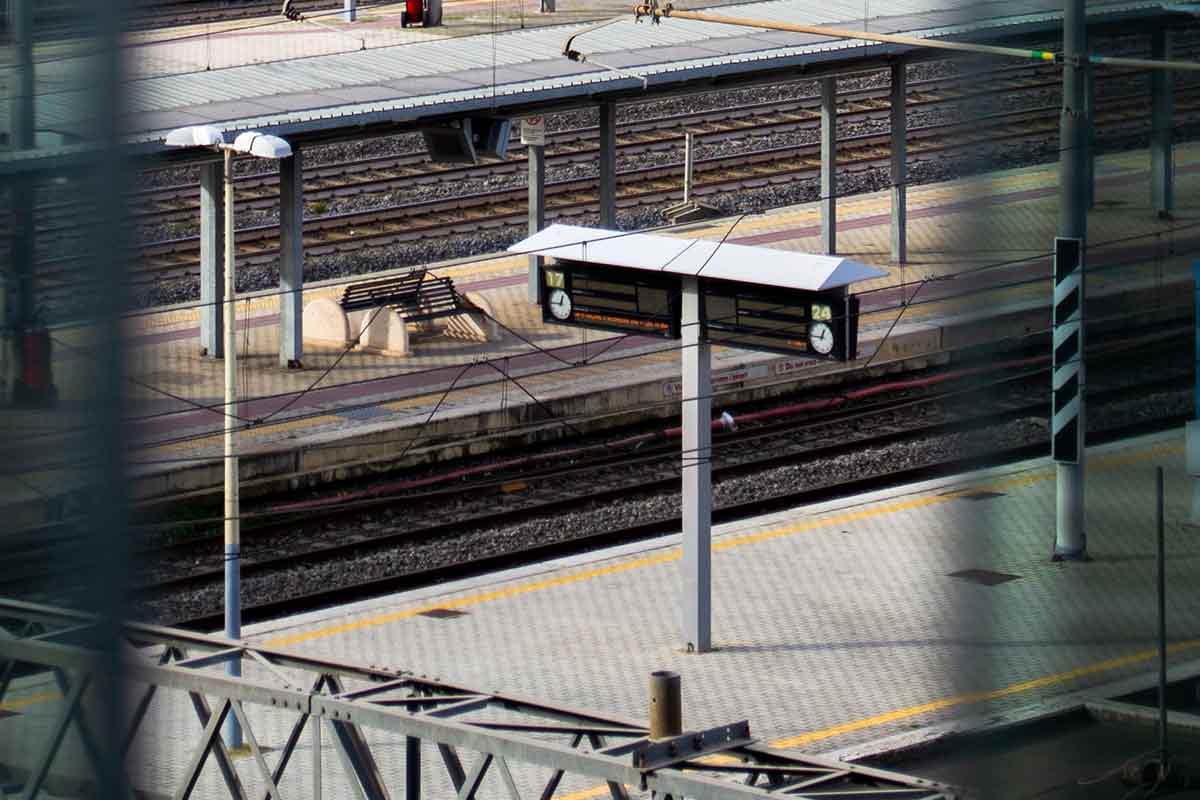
point(530, 745)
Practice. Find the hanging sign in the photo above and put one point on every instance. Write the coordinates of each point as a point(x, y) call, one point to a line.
point(533, 131)
point(611, 298)
point(790, 321)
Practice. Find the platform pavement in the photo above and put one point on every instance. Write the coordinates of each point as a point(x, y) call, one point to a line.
point(836, 623)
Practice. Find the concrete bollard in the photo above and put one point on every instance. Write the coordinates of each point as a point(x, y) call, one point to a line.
point(666, 709)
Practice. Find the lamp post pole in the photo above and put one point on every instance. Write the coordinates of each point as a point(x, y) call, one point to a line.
point(233, 547)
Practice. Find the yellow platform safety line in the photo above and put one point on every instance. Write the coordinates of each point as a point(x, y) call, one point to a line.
point(658, 559)
point(32, 700)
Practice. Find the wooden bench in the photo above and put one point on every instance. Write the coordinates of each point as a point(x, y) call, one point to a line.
point(415, 294)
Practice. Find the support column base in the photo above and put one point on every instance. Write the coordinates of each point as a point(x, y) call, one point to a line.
point(26, 396)
point(1074, 554)
point(293, 363)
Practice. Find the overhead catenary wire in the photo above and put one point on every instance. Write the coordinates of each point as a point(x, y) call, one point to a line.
point(408, 437)
point(656, 12)
point(730, 340)
point(349, 407)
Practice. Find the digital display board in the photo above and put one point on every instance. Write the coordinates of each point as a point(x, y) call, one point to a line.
point(610, 298)
point(754, 317)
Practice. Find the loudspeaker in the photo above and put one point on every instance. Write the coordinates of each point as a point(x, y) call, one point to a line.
point(490, 136)
point(450, 143)
point(464, 141)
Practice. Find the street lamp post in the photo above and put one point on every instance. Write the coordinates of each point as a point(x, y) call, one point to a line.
point(261, 146)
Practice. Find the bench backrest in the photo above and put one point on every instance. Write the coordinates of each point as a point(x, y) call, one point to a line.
point(415, 294)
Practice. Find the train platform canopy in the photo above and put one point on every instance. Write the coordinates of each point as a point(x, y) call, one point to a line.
point(733, 262)
point(330, 97)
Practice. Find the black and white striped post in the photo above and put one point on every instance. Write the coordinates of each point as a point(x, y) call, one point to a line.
point(1067, 422)
point(1070, 249)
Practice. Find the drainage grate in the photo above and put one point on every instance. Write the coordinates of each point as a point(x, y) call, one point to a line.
point(984, 576)
point(978, 494)
point(442, 613)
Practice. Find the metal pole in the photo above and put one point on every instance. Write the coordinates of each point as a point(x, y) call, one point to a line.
point(291, 260)
point(1192, 429)
point(537, 213)
point(1089, 76)
point(608, 164)
point(666, 705)
point(697, 474)
point(315, 723)
point(1069, 382)
point(19, 292)
point(899, 113)
point(1162, 110)
point(688, 165)
point(233, 547)
point(350, 10)
point(1162, 630)
point(829, 165)
point(212, 253)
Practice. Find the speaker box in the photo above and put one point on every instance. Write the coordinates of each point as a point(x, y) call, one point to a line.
point(466, 140)
point(451, 143)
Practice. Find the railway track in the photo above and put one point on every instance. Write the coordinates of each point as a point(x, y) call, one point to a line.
point(610, 473)
point(648, 186)
point(410, 221)
point(652, 186)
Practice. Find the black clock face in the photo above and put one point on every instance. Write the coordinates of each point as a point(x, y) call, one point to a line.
point(560, 304)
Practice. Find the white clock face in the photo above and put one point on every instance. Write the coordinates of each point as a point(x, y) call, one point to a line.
point(560, 304)
point(820, 336)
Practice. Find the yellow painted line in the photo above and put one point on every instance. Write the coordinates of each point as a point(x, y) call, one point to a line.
point(1042, 682)
point(33, 699)
point(476, 599)
point(666, 557)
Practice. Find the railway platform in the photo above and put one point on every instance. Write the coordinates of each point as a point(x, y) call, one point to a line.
point(837, 625)
point(978, 272)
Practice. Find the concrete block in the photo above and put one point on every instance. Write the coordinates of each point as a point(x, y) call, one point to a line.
point(326, 323)
point(384, 331)
point(474, 326)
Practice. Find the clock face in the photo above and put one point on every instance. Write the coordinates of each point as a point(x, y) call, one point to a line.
point(820, 337)
point(560, 304)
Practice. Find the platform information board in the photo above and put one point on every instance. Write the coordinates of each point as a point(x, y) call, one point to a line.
point(744, 315)
point(754, 317)
point(611, 298)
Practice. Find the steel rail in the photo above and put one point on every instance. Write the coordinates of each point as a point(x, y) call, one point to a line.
point(654, 470)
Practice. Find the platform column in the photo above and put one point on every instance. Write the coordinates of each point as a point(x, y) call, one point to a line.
point(537, 212)
point(608, 164)
point(212, 264)
point(291, 260)
point(19, 282)
point(696, 468)
point(350, 10)
point(899, 121)
point(829, 165)
point(1089, 99)
point(1070, 259)
point(1162, 162)
point(1192, 430)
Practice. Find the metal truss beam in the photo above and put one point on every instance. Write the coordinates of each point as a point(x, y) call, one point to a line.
point(515, 739)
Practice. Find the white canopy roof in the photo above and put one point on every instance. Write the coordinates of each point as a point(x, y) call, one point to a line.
point(732, 262)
